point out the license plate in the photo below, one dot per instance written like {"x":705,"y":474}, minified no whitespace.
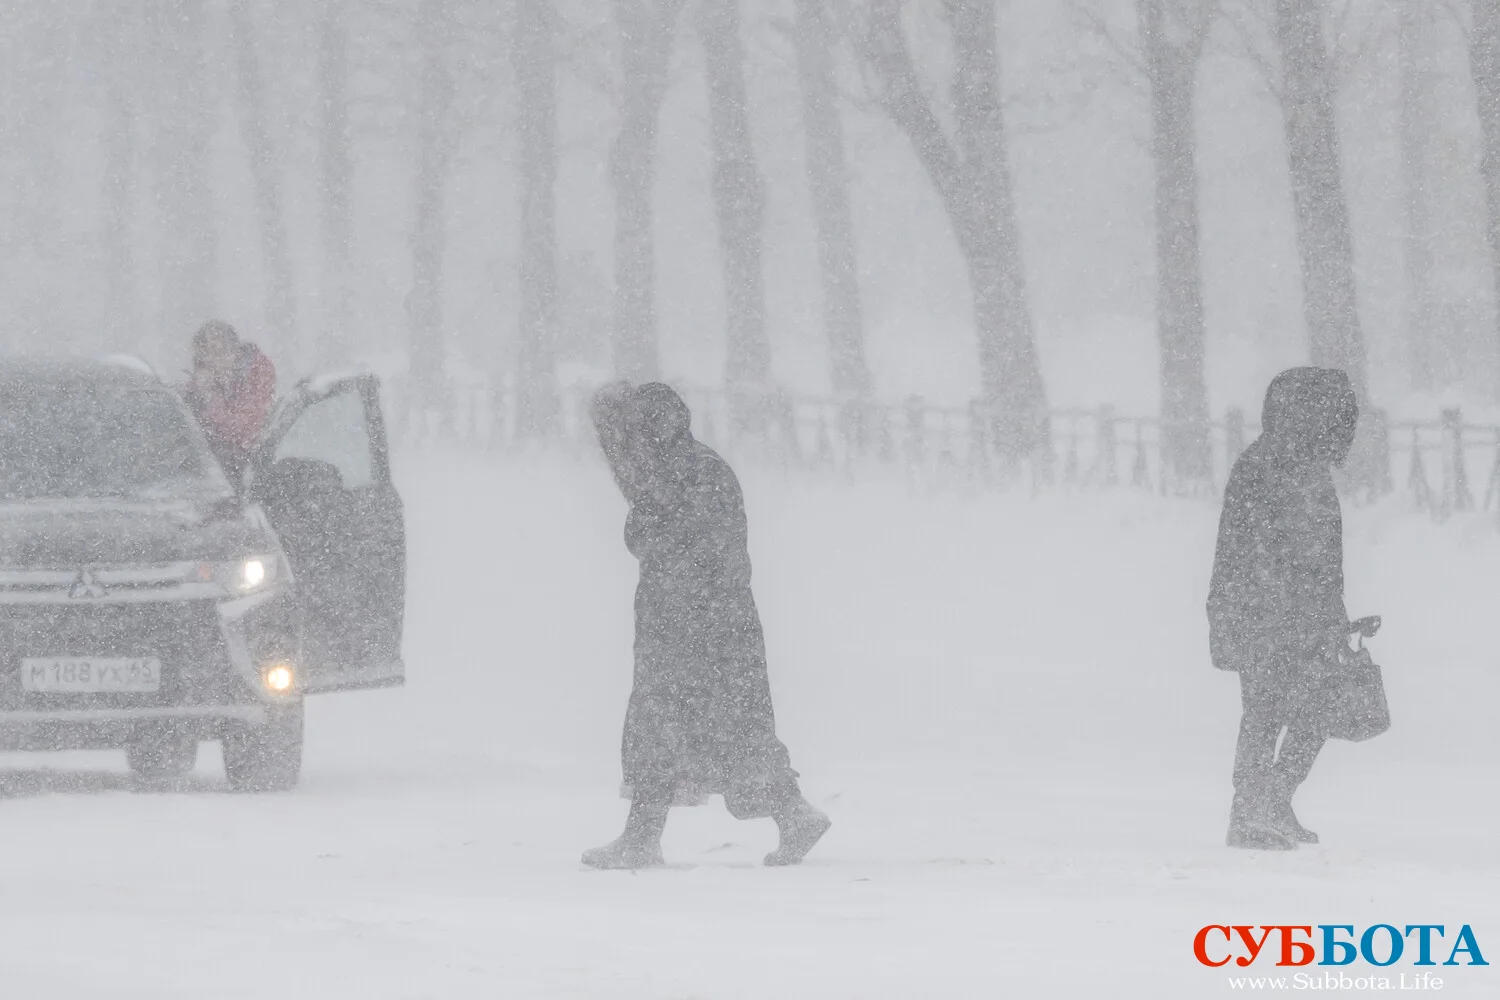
{"x":90,"y":674}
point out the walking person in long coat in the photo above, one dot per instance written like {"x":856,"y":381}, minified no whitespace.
{"x":700,"y":719}
{"x":1276,"y":603}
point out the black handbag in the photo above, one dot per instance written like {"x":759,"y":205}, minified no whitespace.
{"x":1341,"y":696}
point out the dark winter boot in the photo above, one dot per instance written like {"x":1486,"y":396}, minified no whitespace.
{"x":801,"y":826}
{"x":1285,"y":821}
{"x":1251,"y":826}
{"x":640,"y":845}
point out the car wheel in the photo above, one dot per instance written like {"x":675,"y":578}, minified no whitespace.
{"x":266,"y":757}
{"x":162,"y":754}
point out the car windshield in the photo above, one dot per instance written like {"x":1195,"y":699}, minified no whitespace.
{"x":92,"y":439}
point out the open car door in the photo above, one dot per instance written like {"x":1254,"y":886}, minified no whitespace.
{"x":323,"y":478}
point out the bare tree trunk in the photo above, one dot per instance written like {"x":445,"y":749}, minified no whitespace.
{"x":1484,"y":59}
{"x":428,"y":348}
{"x":1173,"y":76}
{"x":332,"y":343}
{"x":1007,"y":350}
{"x":185,"y":121}
{"x":739,"y":201}
{"x":122,"y":308}
{"x":1330,"y":297}
{"x":827,"y":172}
{"x":973,"y":180}
{"x":536,"y":73}
{"x":647,"y":29}
{"x":280,"y":293}
{"x":1323,"y":236}
{"x":1414,"y":129}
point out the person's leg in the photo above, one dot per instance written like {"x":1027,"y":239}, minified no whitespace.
{"x":762,"y":783}
{"x":800,"y":825}
{"x":1298,"y":752}
{"x":639,"y":846}
{"x":1254,"y":750}
{"x":1250,"y":818}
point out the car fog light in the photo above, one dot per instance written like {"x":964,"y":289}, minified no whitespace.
{"x":253,"y":573}
{"x":279,"y":678}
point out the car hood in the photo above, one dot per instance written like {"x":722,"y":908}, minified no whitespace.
{"x":63,"y":534}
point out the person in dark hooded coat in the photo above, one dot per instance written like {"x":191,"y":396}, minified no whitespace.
{"x":1276,"y":601}
{"x":700,"y":719}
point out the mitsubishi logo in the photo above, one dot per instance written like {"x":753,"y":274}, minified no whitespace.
{"x":87,"y":586}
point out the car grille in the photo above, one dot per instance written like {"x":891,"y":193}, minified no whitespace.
{"x":183,"y":635}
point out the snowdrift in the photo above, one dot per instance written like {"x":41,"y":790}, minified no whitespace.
{"x":1003,"y":701}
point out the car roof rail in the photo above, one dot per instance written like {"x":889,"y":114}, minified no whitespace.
{"x":132,"y":361}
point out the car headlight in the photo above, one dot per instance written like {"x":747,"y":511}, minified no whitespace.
{"x":279,"y":677}
{"x":250,"y":575}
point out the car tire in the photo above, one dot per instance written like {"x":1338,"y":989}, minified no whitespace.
{"x":266,"y":757}
{"x":160,"y":755}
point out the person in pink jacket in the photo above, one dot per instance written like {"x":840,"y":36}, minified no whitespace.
{"x":231,"y":390}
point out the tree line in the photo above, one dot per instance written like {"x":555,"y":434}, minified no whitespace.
{"x":167,"y":81}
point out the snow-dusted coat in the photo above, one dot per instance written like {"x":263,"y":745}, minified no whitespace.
{"x":1277,"y":593}
{"x":700,"y":718}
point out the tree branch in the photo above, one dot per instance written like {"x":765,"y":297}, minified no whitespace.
{"x":1200,"y":25}
{"x":1457,"y":14}
{"x":579,"y":54}
{"x":844,"y":26}
{"x":1064,"y":87}
{"x":1341,"y":21}
{"x":1249,"y":50}
{"x":882,"y":44}
{"x":1126,"y":56}
{"x":1349,"y":58}
{"x":779,"y":29}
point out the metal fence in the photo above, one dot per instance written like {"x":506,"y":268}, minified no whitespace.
{"x":1427,"y":462}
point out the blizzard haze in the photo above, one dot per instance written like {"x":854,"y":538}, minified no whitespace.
{"x":979,"y":298}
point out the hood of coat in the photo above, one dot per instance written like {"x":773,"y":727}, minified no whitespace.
{"x":665,"y":448}
{"x":665,"y":422}
{"x":646,"y":435}
{"x":1310,"y":415}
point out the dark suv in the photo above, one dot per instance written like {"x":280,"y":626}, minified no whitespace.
{"x":148,"y":603}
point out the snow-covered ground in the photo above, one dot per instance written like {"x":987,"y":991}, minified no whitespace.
{"x":1003,"y":702}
